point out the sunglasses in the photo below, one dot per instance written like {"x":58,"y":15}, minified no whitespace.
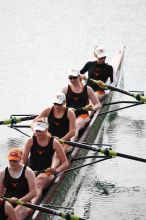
{"x":14,"y":161}
{"x":102,"y":58}
{"x":73,"y":77}
{"x":39,"y":131}
{"x":58,"y":104}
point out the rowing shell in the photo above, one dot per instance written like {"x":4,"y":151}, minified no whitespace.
{"x":63,"y":182}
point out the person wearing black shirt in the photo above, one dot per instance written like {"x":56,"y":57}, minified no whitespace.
{"x":98,"y":70}
{"x":38,"y":153}
{"x":18,"y":182}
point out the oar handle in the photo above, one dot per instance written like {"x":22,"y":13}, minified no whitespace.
{"x":99,"y":83}
{"x":85,"y":108}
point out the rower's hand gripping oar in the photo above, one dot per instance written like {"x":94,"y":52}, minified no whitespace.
{"x":107,"y":152}
{"x":85,"y":108}
{"x":64,"y":215}
{"x":138,"y":97}
{"x":16,"y":120}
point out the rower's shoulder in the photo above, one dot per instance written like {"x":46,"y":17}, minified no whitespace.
{"x":90,"y":63}
{"x":70,"y":113}
{"x":28,"y":171}
{"x":2,"y":173}
{"x":108,"y":65}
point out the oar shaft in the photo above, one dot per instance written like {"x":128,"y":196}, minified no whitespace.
{"x":28,"y":118}
{"x":84,"y":146}
{"x":42,"y":209}
{"x":131,"y":157}
{"x":6,"y":122}
{"x":53,"y":212}
{"x":17,"y":120}
{"x":46,"y":210}
{"x":138,"y":97}
{"x":107,"y":152}
{"x":112,"y":153}
{"x":120,"y":90}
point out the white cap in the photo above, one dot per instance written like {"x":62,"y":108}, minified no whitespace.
{"x":40,"y":126}
{"x":60,"y":98}
{"x":74,"y":72}
{"x":100,"y":52}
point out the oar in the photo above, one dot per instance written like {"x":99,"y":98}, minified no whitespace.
{"x":85,"y":108}
{"x":17,"y":120}
{"x":118,"y":109}
{"x":48,"y":172}
{"x":64,"y":215}
{"x":107,"y":152}
{"x":138,"y":96}
{"x":122,"y":102}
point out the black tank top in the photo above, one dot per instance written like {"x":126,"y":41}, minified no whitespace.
{"x":77,"y":100}
{"x":15,"y":187}
{"x":2,"y":211}
{"x":58,"y":127}
{"x":41,"y":157}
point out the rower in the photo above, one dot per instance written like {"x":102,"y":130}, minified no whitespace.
{"x":77,"y":97}
{"x":38,"y":153}
{"x":61,"y":119}
{"x":18,"y":182}
{"x":7,"y":211}
{"x":98,"y":70}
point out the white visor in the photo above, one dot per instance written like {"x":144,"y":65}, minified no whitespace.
{"x":100,"y":52}
{"x":40,"y":126}
{"x":60,"y":98}
{"x":74,"y":72}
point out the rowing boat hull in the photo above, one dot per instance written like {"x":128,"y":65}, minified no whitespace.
{"x":64,"y":181}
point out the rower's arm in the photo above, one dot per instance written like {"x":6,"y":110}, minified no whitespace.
{"x":61,"y":156}
{"x":64,"y":90}
{"x":72,"y":125}
{"x":31,"y":179}
{"x":26,"y":151}
{"x":95,"y":101}
{"x":43,"y":114}
{"x":2,"y":188}
{"x":114,"y":82}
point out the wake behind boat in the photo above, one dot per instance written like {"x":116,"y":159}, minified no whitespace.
{"x":62,"y":183}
